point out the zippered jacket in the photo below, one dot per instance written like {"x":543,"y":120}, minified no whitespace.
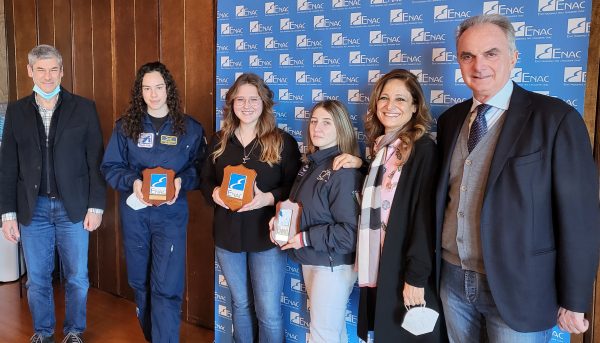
{"x":330,"y":210}
{"x":125,"y":159}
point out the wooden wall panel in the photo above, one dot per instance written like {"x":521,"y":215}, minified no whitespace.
{"x":199,"y":49}
{"x":592,"y":74}
{"x":103,"y":42}
{"x":62,"y":39}
{"x":83,"y":72}
{"x":199,"y":92}
{"x":82,"y":78}
{"x":105,"y":245}
{"x":123,"y":53}
{"x":172,"y":41}
{"x":592,"y":120}
{"x":45,"y":22}
{"x":3,"y":59}
{"x":10,"y":49}
{"x":147,"y":38}
{"x":124,"y":69}
{"x":25,"y":37}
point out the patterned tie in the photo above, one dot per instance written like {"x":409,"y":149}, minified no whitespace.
{"x":478,"y":127}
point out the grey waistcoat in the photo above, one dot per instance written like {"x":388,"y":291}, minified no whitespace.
{"x":461,"y":236}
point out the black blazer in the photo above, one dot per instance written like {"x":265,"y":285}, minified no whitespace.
{"x":78,"y":150}
{"x":540,"y":215}
{"x":407,"y":254}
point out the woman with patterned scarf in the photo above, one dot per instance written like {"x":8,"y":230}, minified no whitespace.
{"x":396,"y":229}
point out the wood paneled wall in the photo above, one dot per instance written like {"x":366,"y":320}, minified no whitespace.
{"x":103,"y":42}
{"x":591,"y":107}
{"x":3,"y":64}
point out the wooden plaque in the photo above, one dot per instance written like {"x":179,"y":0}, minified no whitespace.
{"x":237,"y":188}
{"x":287,"y":221}
{"x":158,"y":185}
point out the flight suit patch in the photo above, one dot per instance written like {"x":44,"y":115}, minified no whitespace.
{"x":168,"y":140}
{"x":146,"y":140}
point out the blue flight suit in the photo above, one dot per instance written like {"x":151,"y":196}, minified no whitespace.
{"x":155,"y":237}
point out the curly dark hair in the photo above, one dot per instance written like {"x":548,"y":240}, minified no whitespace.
{"x":132,"y":118}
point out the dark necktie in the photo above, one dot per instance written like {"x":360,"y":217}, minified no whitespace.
{"x":478,"y":127}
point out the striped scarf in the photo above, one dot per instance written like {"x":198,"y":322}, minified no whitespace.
{"x":368,"y":248}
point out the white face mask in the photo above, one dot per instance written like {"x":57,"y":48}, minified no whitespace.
{"x":134,"y":202}
{"x":420,"y":320}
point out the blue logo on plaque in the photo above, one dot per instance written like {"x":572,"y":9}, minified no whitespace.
{"x":158,"y":184}
{"x":235,"y":188}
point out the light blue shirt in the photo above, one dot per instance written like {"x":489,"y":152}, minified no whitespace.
{"x":499,"y":103}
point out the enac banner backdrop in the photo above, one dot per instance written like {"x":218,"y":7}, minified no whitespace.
{"x":2,"y":113}
{"x":308,"y":51}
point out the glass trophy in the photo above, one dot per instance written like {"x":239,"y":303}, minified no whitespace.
{"x":287,"y":221}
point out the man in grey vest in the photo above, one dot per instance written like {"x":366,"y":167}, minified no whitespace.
{"x":52,"y":194}
{"x":517,"y":202}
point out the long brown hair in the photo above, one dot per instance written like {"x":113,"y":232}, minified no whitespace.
{"x":415,"y":128}
{"x":269,"y":137}
{"x":346,"y":137}
{"x":133,"y":116}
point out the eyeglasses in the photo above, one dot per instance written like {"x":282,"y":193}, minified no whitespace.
{"x":241,"y":102}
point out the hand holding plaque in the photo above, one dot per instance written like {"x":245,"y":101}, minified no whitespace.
{"x":158,"y":185}
{"x":237,"y":187}
{"x":287,"y":221}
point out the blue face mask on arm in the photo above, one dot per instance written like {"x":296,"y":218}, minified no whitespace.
{"x":45,"y":95}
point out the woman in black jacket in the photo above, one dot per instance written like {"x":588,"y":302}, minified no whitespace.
{"x":396,"y":229}
{"x":326,"y":244}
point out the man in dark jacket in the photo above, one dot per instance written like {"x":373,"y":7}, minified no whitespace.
{"x":517,"y":201}
{"x":50,"y":183}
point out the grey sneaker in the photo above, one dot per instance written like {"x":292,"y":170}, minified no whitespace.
{"x":73,"y":337}
{"x":38,"y":338}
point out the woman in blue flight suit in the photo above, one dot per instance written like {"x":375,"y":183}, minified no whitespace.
{"x":154,"y":132}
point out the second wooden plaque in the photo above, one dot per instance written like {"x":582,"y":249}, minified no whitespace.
{"x":237,"y":188}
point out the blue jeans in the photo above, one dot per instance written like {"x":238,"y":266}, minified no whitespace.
{"x":328,"y":292}
{"x":50,"y":228}
{"x":260,"y":274}
{"x":471,"y":313}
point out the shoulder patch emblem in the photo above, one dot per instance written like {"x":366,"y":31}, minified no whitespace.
{"x":324,"y":175}
{"x":146,"y":140}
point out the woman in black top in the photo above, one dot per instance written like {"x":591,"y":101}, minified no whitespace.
{"x":327,"y":241}
{"x":396,"y":227}
{"x":253,"y":266}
